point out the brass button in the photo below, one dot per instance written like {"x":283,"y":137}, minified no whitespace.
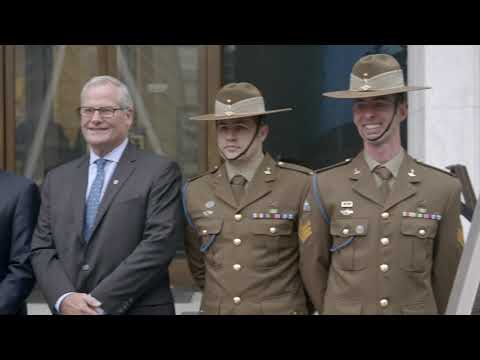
{"x":237,"y":267}
{"x":237,"y":241}
{"x":345,"y":231}
{"x":422,"y":232}
{"x":238,"y":217}
{"x":237,"y":300}
{"x":273,"y":230}
{"x":204,"y":232}
{"x":384,"y":303}
{"x":385,"y":241}
{"x":85,"y":267}
{"x":385,"y":215}
{"x":384,"y":268}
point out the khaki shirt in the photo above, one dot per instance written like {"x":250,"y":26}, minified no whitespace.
{"x":393,"y":165}
{"x":245,"y":257}
{"x":397,"y":257}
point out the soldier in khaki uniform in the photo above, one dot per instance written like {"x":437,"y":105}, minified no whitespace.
{"x":245,"y":253}
{"x":381,"y":233}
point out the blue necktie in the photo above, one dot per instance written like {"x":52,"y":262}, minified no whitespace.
{"x":93,"y":200}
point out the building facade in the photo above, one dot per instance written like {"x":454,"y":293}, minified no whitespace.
{"x":40,"y":87}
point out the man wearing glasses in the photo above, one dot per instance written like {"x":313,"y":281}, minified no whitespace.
{"x":109,"y":221}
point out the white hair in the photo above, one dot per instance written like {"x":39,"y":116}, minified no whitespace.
{"x":125,"y":100}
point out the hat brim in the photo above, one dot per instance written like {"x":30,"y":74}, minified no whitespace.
{"x":349,"y":94}
{"x":236,"y":116}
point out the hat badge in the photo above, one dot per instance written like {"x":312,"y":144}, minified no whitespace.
{"x":229,"y":112}
{"x":365,"y":87}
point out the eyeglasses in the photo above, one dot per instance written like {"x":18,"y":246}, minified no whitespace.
{"x":107,"y":112}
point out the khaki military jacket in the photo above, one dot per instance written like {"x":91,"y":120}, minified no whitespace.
{"x":397,"y":257}
{"x":245,"y":256}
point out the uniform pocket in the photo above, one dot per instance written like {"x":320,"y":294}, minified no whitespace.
{"x":343,"y":308}
{"x":416,"y":245}
{"x":271,"y":238}
{"x":284,"y":306}
{"x":209,"y":230}
{"x":418,"y":309}
{"x":349,"y":251}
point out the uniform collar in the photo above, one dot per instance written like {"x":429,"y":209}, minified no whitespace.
{"x":247,"y":171}
{"x":261,"y":183}
{"x":393,"y":164}
{"x":409,"y":174}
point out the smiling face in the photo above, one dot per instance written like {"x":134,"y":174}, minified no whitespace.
{"x":378,"y":120}
{"x":104,"y":134}
{"x":234,"y":136}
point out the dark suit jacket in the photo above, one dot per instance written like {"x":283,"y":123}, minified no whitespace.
{"x":125,"y":263}
{"x":19,"y":204}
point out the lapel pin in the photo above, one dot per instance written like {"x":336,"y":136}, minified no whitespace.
{"x":210,"y":204}
{"x":306,"y":206}
{"x":356,"y":171}
{"x":115,"y":182}
{"x":346,"y":212}
{"x":268,"y":171}
{"x":346,"y":204}
{"x":411,"y":173}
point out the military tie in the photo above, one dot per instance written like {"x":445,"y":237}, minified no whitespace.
{"x":93,"y":200}
{"x":238,"y":187}
{"x":385,"y":175}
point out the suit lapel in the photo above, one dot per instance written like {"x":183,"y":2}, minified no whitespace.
{"x":125,"y":168}
{"x":262,"y":182}
{"x":364,"y":183}
{"x":77,"y":197}
{"x":403,"y":188}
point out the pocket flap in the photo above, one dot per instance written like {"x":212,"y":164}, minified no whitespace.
{"x":342,"y":308}
{"x":349,"y":227}
{"x":272,"y":228}
{"x":209,"y":226}
{"x":422,"y":228}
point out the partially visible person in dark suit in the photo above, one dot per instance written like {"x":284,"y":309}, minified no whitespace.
{"x":109,"y":221}
{"x":19,"y":204}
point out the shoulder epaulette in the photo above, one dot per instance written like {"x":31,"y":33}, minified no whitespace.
{"x":435,"y":168}
{"x":344,"y":162}
{"x":299,"y":168}
{"x":211,"y":171}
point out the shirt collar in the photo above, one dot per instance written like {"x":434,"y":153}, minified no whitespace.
{"x":113,"y":156}
{"x":393,"y":164}
{"x":246,"y":171}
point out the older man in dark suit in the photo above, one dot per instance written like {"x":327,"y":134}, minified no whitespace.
{"x":109,"y":221}
{"x":19,"y":204}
